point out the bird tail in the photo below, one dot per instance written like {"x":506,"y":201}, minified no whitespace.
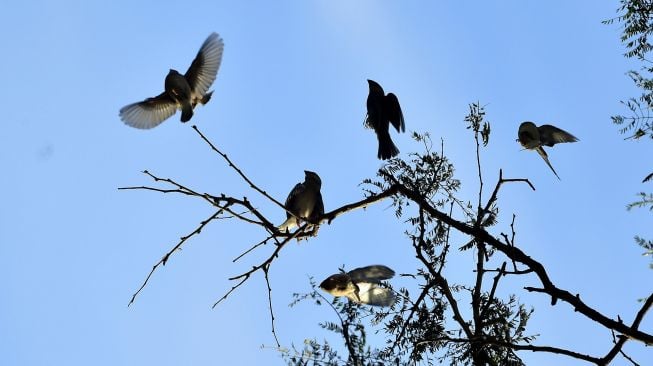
{"x":544,"y":156}
{"x":186,"y":111}
{"x":387,"y":148}
{"x":288,"y":225}
{"x":205,"y":99}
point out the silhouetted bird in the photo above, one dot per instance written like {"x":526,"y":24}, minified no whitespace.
{"x":533,"y":138}
{"x":304,"y":201}
{"x":181,"y":91}
{"x":381,"y":111}
{"x":361,"y":285}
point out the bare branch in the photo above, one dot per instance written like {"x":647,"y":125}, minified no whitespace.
{"x":240,"y":172}
{"x":165,"y":258}
{"x":516,"y":254}
{"x":622,"y":339}
{"x":502,"y":272}
{"x":267,"y":282}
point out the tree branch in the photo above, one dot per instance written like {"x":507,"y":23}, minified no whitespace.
{"x":165,"y":258}
{"x":519,"y":256}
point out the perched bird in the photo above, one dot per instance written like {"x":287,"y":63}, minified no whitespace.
{"x":362,"y":285}
{"x":533,"y":138}
{"x":181,"y":91}
{"x":381,"y":111}
{"x":304,"y":201}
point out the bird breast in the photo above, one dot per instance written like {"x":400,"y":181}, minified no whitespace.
{"x":177,"y":86}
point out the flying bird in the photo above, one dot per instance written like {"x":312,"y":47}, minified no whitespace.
{"x":182,"y":92}
{"x":362,"y":285}
{"x":304,"y":201}
{"x":533,"y":137}
{"x":382,"y":110}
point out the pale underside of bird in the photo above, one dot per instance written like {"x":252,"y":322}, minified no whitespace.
{"x":362,"y":285}
{"x":304,"y":202}
{"x":181,"y":92}
{"x":533,"y":137}
{"x":382,"y":110}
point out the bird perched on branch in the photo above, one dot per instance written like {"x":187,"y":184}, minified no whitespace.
{"x":381,"y":111}
{"x":182,"y":92}
{"x":362,"y":285}
{"x":304,"y":202}
{"x":533,"y":137}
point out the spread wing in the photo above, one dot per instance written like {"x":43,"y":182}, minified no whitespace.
{"x":394,"y":113}
{"x":202,"y":72}
{"x":148,"y":113}
{"x":551,"y":135}
{"x":374,"y":273}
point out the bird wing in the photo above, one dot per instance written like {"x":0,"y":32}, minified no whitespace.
{"x":148,"y":113}
{"x":318,"y":210}
{"x":648,"y":177}
{"x":544,"y":156}
{"x":372,"y":294}
{"x":394,"y":113}
{"x":551,"y":135}
{"x":202,"y":72}
{"x":374,"y":273}
{"x":291,"y":200}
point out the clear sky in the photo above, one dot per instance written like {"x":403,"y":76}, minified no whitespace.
{"x":290,"y":95}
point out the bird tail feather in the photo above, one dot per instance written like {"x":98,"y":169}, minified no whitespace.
{"x":288,"y":225}
{"x":544,"y":156}
{"x":387,"y":148}
{"x":186,"y":112}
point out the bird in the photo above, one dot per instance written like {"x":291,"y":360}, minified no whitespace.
{"x":304,"y":202}
{"x":533,"y":137}
{"x":181,"y":91}
{"x":362,"y":285}
{"x":382,"y":110}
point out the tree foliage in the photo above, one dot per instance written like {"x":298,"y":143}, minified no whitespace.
{"x":636,"y":18}
{"x":464,"y":323}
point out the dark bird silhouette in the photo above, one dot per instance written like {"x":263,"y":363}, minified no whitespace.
{"x":533,"y":137}
{"x":381,"y":111}
{"x":648,"y":177}
{"x":362,"y":285}
{"x":304,"y":201}
{"x":181,"y":91}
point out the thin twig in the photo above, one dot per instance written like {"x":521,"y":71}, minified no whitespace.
{"x":240,"y":172}
{"x":495,"y":283}
{"x":267,"y":282}
{"x":165,"y":258}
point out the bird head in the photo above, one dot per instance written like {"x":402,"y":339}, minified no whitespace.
{"x":338,"y":285}
{"x":528,"y":135}
{"x":312,"y":177}
{"x":375,"y":87}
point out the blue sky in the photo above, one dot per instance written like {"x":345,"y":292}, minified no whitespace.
{"x":290,"y":95}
